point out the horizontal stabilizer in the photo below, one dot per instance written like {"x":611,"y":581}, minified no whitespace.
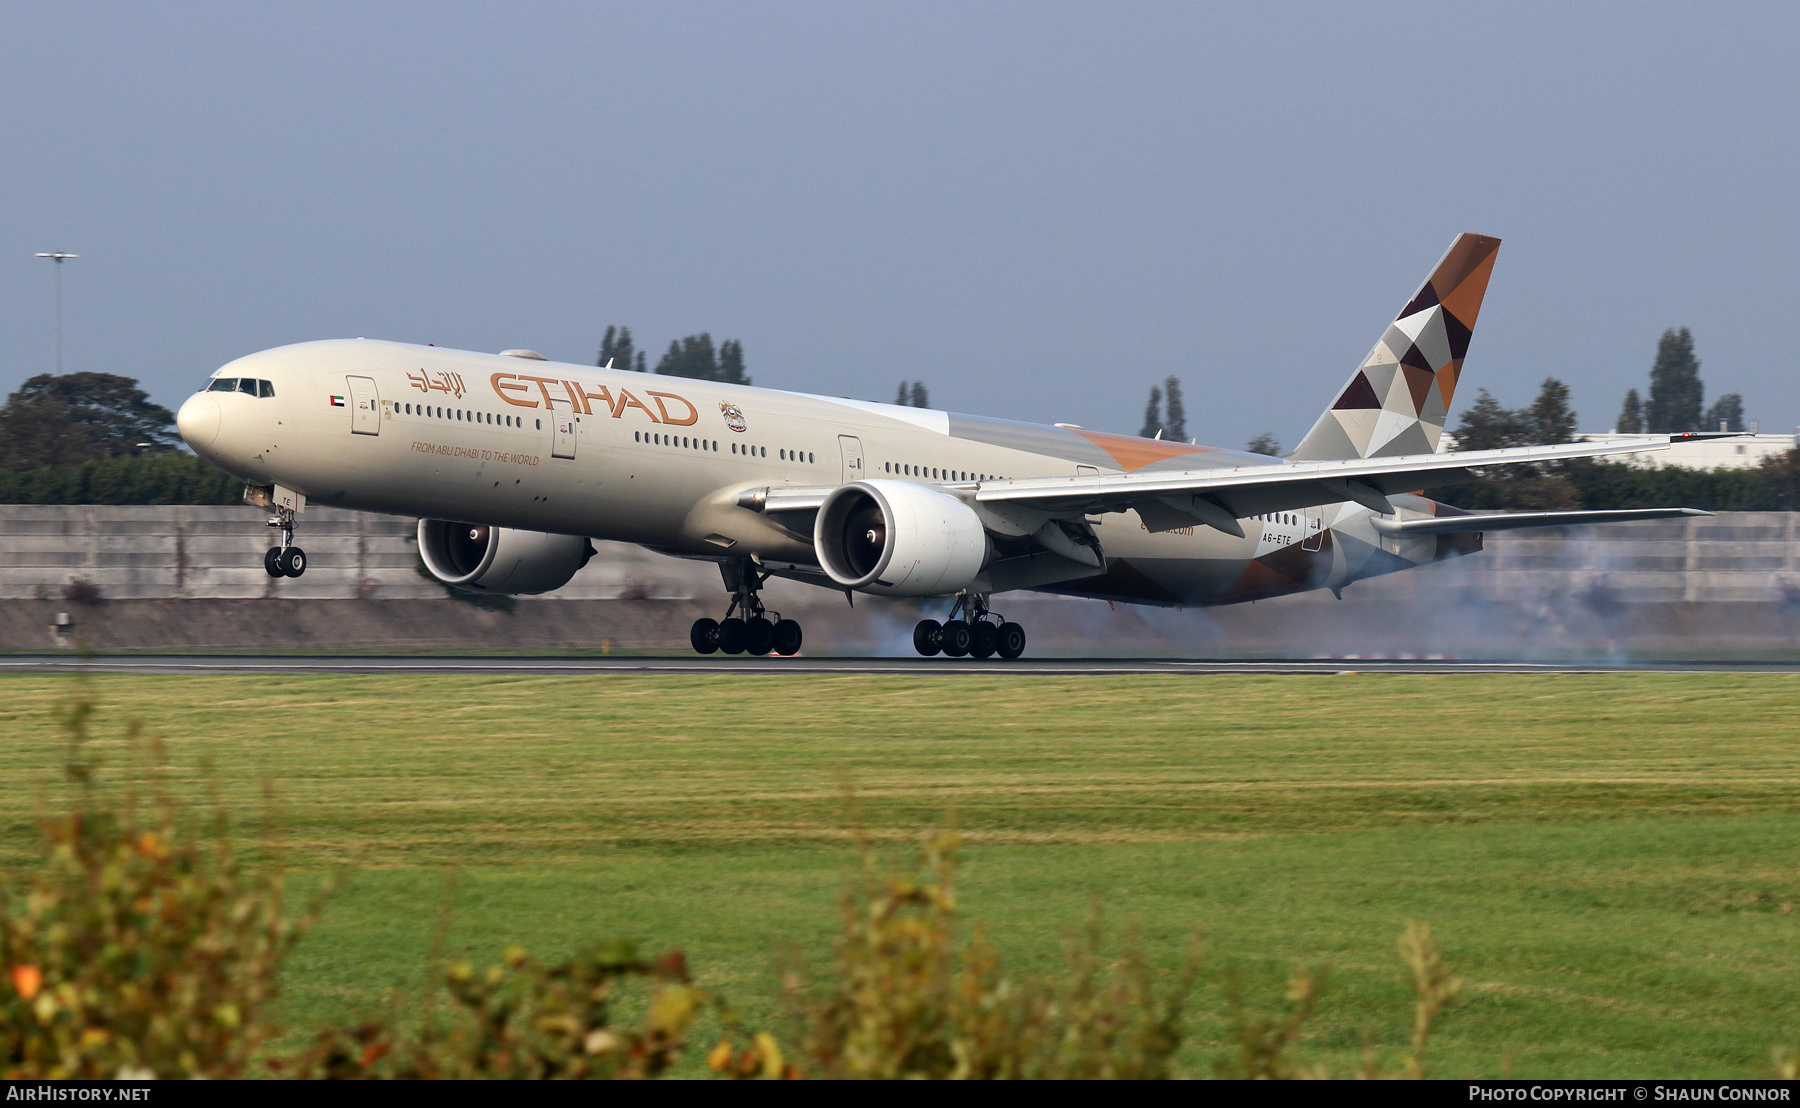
{"x":1512,"y":521}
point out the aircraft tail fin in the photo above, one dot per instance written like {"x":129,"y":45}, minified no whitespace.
{"x":1398,"y":401}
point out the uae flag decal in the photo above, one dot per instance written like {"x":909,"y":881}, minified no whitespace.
{"x":337,"y":401}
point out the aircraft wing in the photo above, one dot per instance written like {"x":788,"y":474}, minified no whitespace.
{"x":1220,"y":497}
{"x":1512,"y":521}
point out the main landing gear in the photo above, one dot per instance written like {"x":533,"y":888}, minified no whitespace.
{"x":751,"y":631}
{"x":980,"y":635}
{"x":286,"y":560}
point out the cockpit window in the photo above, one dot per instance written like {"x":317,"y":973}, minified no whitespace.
{"x":223,"y":384}
{"x":247,"y":384}
{"x":268,"y":388}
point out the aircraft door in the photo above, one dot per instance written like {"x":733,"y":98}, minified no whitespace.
{"x":851,"y":447}
{"x":365,"y":406}
{"x":562,"y":444}
{"x":1312,"y":528}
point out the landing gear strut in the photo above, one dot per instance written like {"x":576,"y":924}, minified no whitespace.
{"x":286,"y":560}
{"x":750,"y":631}
{"x":980,"y":634}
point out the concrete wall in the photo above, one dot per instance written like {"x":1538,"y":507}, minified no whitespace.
{"x":216,"y":553}
{"x":1731,"y":557}
{"x":192,"y":577}
{"x":210,"y":552}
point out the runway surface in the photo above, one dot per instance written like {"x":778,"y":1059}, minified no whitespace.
{"x":599,"y":665}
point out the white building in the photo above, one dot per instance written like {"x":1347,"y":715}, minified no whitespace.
{"x":1745,"y":451}
{"x":1738,"y":452}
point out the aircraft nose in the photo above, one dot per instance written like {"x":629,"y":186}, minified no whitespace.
{"x":198,"y":421}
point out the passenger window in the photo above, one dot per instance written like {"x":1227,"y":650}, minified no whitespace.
{"x":223,"y":384}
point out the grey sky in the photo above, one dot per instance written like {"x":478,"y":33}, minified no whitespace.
{"x":1040,"y":209}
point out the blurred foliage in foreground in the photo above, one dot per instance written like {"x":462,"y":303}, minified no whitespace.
{"x":142,"y":945}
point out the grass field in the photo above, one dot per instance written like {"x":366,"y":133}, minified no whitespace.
{"x":1612,"y":862}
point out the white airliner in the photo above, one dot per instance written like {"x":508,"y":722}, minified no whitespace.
{"x":513,"y":463}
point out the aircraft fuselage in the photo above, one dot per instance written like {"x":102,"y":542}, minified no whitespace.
{"x":663,"y":461}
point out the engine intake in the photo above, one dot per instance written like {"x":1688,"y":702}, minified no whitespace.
{"x":499,"y":559}
{"x":895,"y":538}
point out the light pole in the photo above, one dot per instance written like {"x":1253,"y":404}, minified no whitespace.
{"x":59,"y":259}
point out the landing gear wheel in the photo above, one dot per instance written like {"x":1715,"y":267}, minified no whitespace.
{"x":956,"y":639}
{"x":272,"y":562}
{"x":1012,"y":641}
{"x":731,"y":636}
{"x":787,"y":638}
{"x":291,"y":562}
{"x":928,"y":637}
{"x":705,"y":636}
{"x":759,"y":636}
{"x":983,"y":639}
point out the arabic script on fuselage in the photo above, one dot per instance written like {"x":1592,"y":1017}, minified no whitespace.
{"x":444,"y":381}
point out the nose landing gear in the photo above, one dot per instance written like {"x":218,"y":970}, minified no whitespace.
{"x":751,"y":632}
{"x":286,"y":560}
{"x":981,"y":635}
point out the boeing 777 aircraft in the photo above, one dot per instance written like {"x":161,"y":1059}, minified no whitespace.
{"x":513,"y":463}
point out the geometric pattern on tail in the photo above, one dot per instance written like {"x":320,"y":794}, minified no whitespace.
{"x":1398,"y":400}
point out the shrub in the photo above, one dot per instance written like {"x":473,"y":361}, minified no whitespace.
{"x":903,"y":1001}
{"x":80,"y":590}
{"x":143,"y":946}
{"x":523,"y":1019}
{"x":160,"y":477}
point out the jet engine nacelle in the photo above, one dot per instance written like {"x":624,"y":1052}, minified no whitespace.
{"x":895,"y":538}
{"x":499,"y":559}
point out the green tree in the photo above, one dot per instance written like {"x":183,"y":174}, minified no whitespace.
{"x":695,"y":357}
{"x":1631,"y":416}
{"x":1782,"y":474}
{"x":900,"y":393}
{"x":918,"y":397}
{"x":731,"y":363}
{"x":1676,"y":391}
{"x":1550,"y":419}
{"x":1727,"y":410}
{"x":1175,"y":416}
{"x":164,"y":477}
{"x":1487,"y":426}
{"x":618,"y":351}
{"x":1265,"y":443}
{"x":80,"y":417}
{"x":1153,"y":420}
